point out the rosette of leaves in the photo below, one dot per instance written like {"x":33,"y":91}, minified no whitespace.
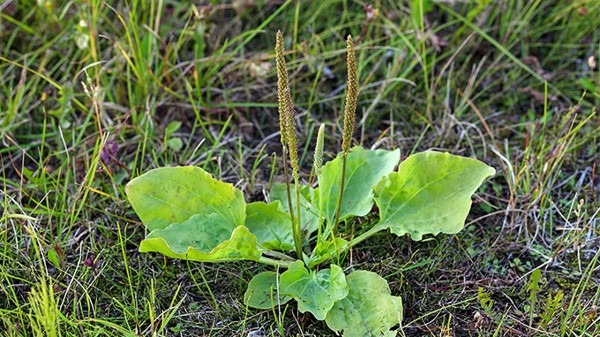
{"x":191,"y":215}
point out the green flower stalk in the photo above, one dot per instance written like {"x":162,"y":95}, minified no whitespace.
{"x":287,"y":115}
{"x":289,"y":141}
{"x":318,"y":165}
{"x":351,"y":98}
{"x":282,"y":83}
{"x":292,"y":140}
{"x":318,"y":161}
{"x":349,"y":120}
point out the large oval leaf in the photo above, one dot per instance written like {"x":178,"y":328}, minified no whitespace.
{"x":271,"y":226}
{"x":168,"y":195}
{"x":430,"y":193}
{"x":368,"y":310}
{"x":315,"y":292}
{"x":203,"y":238}
{"x":191,"y":215}
{"x":263,"y":292}
{"x":364,"y":168}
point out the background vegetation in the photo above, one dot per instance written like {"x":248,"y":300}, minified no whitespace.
{"x":94,"y":93}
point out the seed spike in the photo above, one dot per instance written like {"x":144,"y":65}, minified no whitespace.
{"x":349,"y":120}
{"x":289,"y":142}
{"x":287,"y":115}
{"x":318,"y":161}
{"x":351,"y":97}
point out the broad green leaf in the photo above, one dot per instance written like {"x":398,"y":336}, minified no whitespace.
{"x":368,"y":310}
{"x":309,"y":218}
{"x":430,"y":193}
{"x":203,"y":238}
{"x":263,"y":292}
{"x":271,"y":226}
{"x":170,"y":195}
{"x":364,"y":168}
{"x":192,"y":216}
{"x":325,"y":250}
{"x":315,"y":292}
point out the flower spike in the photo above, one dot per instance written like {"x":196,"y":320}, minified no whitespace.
{"x":351,"y":97}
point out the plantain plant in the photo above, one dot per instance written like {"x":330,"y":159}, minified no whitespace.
{"x":191,"y":215}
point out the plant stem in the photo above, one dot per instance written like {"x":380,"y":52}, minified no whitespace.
{"x":295,"y":226}
{"x":273,"y":262}
{"x":278,"y":255}
{"x":341,"y":196}
{"x":349,"y":120}
{"x":289,"y":142}
{"x":298,"y":228}
{"x":363,"y":237}
{"x":352,"y":243}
